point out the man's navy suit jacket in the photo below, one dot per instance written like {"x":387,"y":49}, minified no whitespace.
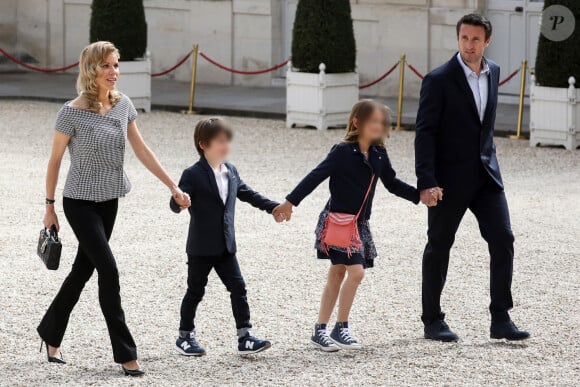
{"x":453,"y":147}
{"x":211,"y":228}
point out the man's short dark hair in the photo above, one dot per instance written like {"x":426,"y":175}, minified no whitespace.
{"x":475,"y":19}
{"x":208,"y":129}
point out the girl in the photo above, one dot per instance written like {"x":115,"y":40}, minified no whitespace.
{"x":353,"y":166}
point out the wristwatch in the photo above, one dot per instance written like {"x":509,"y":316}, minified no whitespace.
{"x":49,"y":201}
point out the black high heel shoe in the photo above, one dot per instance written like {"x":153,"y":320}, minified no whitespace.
{"x":52,"y":359}
{"x":137,"y":372}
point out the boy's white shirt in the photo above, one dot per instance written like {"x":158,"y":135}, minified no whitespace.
{"x":222,"y":181}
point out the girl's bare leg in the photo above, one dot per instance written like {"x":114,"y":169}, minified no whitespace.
{"x":348,"y":291}
{"x":330,"y":294}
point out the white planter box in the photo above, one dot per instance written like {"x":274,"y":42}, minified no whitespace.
{"x":555,"y":115}
{"x":135,"y":82}
{"x":320,"y":100}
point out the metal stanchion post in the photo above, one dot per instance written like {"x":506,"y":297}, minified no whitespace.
{"x":194,"y":53}
{"x":402,"y":63}
{"x":524,"y":72}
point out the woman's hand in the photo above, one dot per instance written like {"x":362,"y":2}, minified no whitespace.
{"x":181,"y":198}
{"x":50,"y":218}
{"x":59,"y":145}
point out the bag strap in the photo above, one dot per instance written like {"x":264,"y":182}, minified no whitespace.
{"x":366,"y":196}
{"x":53,"y":232}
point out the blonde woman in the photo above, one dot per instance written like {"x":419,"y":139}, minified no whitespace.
{"x":95,"y":128}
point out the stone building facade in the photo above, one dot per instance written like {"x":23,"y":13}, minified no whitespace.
{"x":254,"y":34}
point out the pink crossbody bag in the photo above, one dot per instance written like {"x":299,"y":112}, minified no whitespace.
{"x":341,"y":230}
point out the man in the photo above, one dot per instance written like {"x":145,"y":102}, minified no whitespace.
{"x":455,"y":158}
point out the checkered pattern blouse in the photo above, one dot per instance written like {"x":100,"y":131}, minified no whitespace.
{"x":97,"y":151}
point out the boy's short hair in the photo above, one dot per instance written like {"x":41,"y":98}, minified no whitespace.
{"x":208,"y":129}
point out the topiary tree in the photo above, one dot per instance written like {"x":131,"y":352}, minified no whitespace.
{"x":557,"y":61}
{"x":323,"y":33}
{"x":121,"y":22}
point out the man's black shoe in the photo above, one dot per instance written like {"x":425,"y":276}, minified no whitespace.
{"x":507,"y":330}
{"x":439,"y":330}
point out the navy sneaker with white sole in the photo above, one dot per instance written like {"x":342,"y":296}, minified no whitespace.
{"x":321,"y":340}
{"x":249,"y":344}
{"x":342,"y":337}
{"x":188,"y":346}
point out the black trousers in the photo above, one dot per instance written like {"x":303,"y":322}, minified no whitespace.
{"x":92,"y":224}
{"x":488,"y":203}
{"x":228,"y":269}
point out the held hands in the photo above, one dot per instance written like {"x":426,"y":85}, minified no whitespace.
{"x":431,"y":196}
{"x":181,"y":198}
{"x":283,"y":212}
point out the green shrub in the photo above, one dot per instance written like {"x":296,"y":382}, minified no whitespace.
{"x":557,"y":61}
{"x":121,"y":22}
{"x":323,"y":33}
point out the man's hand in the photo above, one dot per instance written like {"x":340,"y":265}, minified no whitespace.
{"x":283,"y":212}
{"x":181,"y":198}
{"x":278,"y":217}
{"x":431,"y":196}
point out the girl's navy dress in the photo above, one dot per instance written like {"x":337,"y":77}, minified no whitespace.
{"x":350,"y":175}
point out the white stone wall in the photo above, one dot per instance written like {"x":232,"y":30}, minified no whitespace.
{"x":28,"y":22}
{"x":173,"y":27}
{"x":244,"y":34}
{"x":443,"y":17}
{"x":383,"y":33}
{"x":256,"y":26}
{"x":8,"y":26}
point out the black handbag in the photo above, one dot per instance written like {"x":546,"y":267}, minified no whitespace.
{"x":49,"y":248}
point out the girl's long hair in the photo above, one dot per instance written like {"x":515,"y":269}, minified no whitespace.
{"x":92,"y":56}
{"x":360,"y":114}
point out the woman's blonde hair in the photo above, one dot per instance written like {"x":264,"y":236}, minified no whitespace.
{"x":360,"y":114}
{"x":92,"y":56}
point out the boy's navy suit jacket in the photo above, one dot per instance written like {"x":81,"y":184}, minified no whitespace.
{"x":211,"y":228}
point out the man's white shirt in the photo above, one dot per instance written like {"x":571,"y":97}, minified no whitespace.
{"x":478,"y":84}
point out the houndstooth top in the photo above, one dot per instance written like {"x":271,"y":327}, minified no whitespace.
{"x":97,"y":150}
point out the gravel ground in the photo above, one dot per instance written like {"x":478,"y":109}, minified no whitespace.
{"x":284,"y":279}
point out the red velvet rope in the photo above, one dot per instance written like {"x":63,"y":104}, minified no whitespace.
{"x":501,"y":83}
{"x":413,"y":69}
{"x":389,"y":71}
{"x":509,"y":77}
{"x":182,"y":61}
{"x":64,"y":68}
{"x":34,"y":68}
{"x":255,"y":72}
{"x":231,"y":70}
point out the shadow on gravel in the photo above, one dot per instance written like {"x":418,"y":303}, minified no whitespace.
{"x":500,"y":344}
{"x":401,"y":345}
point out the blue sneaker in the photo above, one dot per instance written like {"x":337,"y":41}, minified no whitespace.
{"x":321,"y":340}
{"x":342,"y":337}
{"x":249,"y":344}
{"x":188,"y":346}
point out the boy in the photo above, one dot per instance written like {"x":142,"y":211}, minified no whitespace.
{"x":213,"y":185}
